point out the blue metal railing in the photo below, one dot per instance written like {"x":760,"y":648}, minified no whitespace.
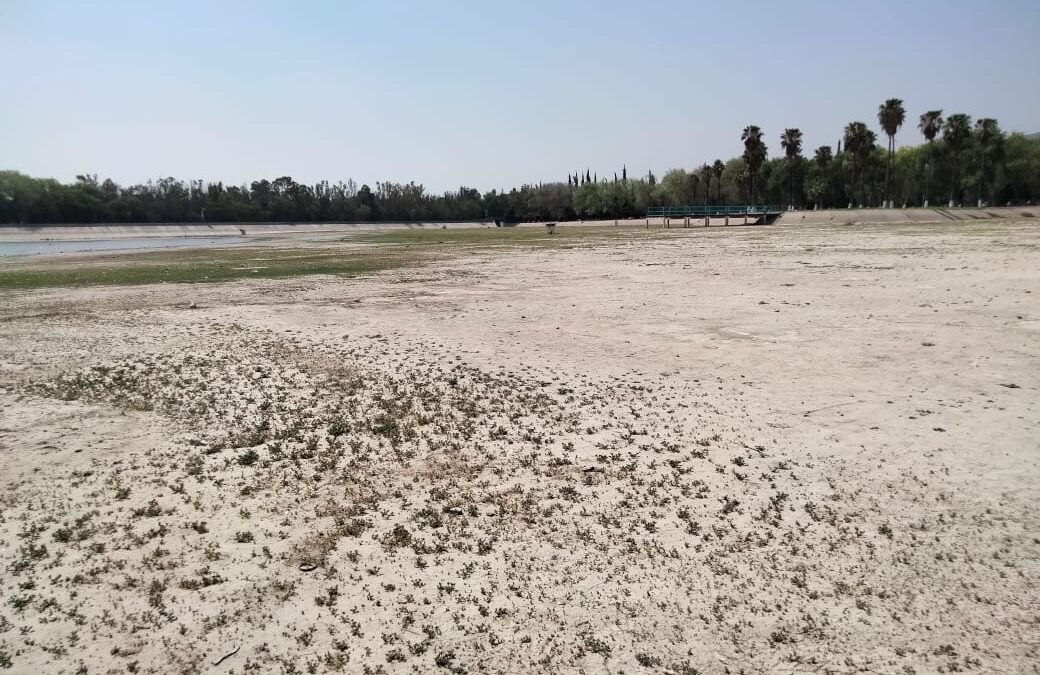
{"x":701,"y":211}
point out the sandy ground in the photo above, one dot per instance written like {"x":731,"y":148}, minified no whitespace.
{"x":790,"y":449}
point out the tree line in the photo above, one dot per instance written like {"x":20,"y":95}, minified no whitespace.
{"x":960,"y":162}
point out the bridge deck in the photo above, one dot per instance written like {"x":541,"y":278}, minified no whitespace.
{"x":712,"y":211}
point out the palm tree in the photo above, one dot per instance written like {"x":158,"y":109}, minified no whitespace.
{"x":891,"y":116}
{"x":956,"y":133}
{"x":859,"y":142}
{"x":718,"y":168}
{"x":791,"y":142}
{"x":754,"y":155}
{"x":930,"y":124}
{"x":987,"y":132}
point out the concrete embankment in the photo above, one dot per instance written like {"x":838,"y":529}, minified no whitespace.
{"x":916,"y":215}
{"x":836,"y":217}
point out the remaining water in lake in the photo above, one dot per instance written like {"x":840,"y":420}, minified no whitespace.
{"x":85,"y":245}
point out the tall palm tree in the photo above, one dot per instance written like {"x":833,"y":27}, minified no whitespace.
{"x":754,"y":155}
{"x":987,"y":133}
{"x":956,"y":133}
{"x":859,"y":142}
{"x":791,"y":142}
{"x":930,"y":125}
{"x":718,"y":168}
{"x":706,"y":177}
{"x":891,"y":116}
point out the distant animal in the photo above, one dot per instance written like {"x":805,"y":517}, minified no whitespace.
{"x":551,"y":227}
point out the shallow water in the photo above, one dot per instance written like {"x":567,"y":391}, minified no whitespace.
{"x":86,"y":245}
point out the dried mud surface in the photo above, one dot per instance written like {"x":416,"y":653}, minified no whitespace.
{"x":798,"y":450}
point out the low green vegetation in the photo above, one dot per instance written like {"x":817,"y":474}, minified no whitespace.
{"x":530,"y":237}
{"x":202,"y":265}
{"x":378,"y":251}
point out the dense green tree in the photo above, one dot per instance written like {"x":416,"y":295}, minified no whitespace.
{"x":859,"y":144}
{"x":706,"y":175}
{"x":818,"y":180}
{"x":979,"y":162}
{"x":677,"y":188}
{"x":735,"y":182}
{"x":1022,"y":169}
{"x":907,"y":177}
{"x":989,"y":141}
{"x":717,"y":169}
{"x":773,"y":181}
{"x":956,"y":135}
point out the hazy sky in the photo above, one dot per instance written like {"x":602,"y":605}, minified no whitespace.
{"x":483,"y":94}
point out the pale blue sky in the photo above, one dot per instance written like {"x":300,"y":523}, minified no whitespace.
{"x":483,"y":94}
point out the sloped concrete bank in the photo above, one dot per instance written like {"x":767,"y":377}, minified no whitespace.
{"x":866,"y":216}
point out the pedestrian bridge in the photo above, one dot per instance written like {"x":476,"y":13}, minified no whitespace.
{"x":712,"y":211}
